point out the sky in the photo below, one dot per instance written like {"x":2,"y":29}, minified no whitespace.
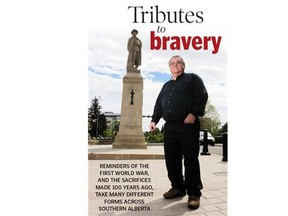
{"x":107,"y":54}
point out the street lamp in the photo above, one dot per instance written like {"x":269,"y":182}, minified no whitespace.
{"x":97,"y":125}
{"x":95,"y":120}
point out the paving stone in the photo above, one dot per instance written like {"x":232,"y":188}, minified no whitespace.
{"x":213,"y":202}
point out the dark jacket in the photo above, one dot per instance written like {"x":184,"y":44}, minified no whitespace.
{"x":187,"y":94}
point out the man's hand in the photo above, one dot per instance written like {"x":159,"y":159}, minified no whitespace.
{"x":190,"y":119}
{"x":152,"y":126}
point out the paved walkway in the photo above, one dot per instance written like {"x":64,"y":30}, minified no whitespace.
{"x":106,"y":152}
{"x":132,"y":187}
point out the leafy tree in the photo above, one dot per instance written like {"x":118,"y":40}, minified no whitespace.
{"x":112,"y":129}
{"x":212,"y":123}
{"x":96,"y":120}
{"x":154,"y":137}
{"x":224,"y":128}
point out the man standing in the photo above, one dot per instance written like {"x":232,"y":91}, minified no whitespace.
{"x":181,"y":101}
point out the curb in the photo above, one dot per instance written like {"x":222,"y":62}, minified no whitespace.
{"x":93,"y":156}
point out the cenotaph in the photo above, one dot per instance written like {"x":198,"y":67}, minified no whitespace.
{"x":130,"y":135}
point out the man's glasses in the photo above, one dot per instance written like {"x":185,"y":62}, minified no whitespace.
{"x":175,"y":63}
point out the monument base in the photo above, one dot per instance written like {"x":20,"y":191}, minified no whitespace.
{"x":130,"y":135}
{"x":129,"y":142}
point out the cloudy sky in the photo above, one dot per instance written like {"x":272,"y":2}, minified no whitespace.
{"x":107,"y":50}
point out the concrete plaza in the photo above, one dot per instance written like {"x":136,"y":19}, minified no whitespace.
{"x":153,"y":171}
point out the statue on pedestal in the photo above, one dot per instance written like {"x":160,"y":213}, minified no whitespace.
{"x":130,"y":135}
{"x":134,"y":47}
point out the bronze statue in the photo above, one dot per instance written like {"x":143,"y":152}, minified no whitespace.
{"x":134,"y":48}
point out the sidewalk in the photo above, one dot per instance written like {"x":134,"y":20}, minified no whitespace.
{"x":106,"y":152}
{"x":110,"y":197}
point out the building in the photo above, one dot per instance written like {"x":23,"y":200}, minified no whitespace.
{"x":110,"y":117}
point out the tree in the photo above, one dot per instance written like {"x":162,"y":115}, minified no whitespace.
{"x":96,"y":120}
{"x":156,"y":136}
{"x":112,"y":129}
{"x":214,"y":119}
{"x":224,"y":128}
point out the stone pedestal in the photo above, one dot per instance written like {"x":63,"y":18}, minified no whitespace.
{"x":130,"y":135}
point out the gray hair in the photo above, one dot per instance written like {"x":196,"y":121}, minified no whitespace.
{"x":178,"y":56}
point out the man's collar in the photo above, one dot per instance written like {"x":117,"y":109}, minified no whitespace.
{"x":181,"y":75}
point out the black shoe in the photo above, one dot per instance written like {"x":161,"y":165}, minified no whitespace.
{"x":193,"y":202}
{"x":174,"y":193}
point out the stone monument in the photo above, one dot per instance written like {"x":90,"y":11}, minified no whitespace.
{"x":130,"y":135}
